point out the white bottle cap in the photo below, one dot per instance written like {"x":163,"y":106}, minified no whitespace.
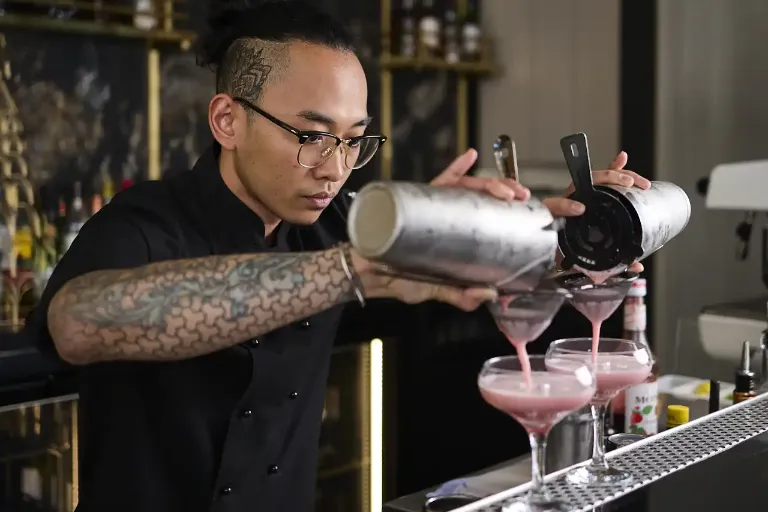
{"x":638,"y":288}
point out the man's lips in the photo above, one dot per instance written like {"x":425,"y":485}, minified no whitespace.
{"x":321,"y":200}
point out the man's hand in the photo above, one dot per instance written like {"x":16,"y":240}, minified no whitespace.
{"x":615,"y":175}
{"x":455,"y":175}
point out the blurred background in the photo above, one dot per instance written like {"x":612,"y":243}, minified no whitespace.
{"x":99,"y":94}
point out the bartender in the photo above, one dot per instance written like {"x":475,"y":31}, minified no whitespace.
{"x":203,"y":308}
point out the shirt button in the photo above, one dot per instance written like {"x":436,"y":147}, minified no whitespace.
{"x":294,"y":395}
{"x":273,"y":470}
{"x":305,"y":324}
{"x":254,"y":343}
{"x":225,"y":491}
{"x":246,"y":413}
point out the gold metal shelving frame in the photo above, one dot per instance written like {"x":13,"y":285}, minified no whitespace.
{"x":390,"y":63}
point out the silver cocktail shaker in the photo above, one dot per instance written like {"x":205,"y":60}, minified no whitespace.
{"x":621,"y":225}
{"x":458,"y":236}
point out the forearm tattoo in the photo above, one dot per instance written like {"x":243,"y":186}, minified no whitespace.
{"x":184,"y":308}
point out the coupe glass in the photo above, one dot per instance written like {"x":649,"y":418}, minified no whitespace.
{"x":538,"y":400}
{"x":523,"y":317}
{"x":618,"y":364}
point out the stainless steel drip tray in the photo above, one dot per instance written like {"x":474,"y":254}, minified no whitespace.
{"x":651,"y":459}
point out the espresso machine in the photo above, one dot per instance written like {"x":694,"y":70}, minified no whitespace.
{"x":741,"y":186}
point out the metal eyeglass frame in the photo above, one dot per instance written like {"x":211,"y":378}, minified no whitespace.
{"x":304,"y":135}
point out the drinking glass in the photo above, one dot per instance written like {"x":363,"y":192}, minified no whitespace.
{"x":618,"y":364}
{"x":538,"y":399}
{"x":525,"y":316}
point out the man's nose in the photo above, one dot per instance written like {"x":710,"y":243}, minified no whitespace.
{"x":334,"y":167}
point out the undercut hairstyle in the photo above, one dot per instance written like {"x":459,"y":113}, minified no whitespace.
{"x":248,"y":41}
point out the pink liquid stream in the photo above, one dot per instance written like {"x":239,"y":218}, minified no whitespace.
{"x":595,"y":315}
{"x":520,"y":345}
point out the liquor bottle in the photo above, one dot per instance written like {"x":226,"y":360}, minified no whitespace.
{"x":61,"y":225}
{"x":471,"y":35}
{"x":76,"y":220}
{"x":145,"y":16}
{"x":641,"y":415}
{"x":451,"y":41}
{"x":429,"y":30}
{"x":407,"y":37}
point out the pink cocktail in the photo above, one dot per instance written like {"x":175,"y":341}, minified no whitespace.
{"x":538,"y":402}
{"x":617,"y":365}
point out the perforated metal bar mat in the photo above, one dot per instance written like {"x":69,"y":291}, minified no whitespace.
{"x":651,"y":459}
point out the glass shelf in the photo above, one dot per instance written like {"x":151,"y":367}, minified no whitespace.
{"x":92,"y":28}
{"x":389,"y":61}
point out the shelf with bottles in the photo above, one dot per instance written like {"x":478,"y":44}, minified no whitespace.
{"x":156,"y":21}
{"x":424,"y":34}
{"x":38,"y":456}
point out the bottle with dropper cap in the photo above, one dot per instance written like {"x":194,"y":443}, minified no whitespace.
{"x":744,"y":378}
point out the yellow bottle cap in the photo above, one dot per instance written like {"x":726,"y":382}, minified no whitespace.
{"x":677,"y":415}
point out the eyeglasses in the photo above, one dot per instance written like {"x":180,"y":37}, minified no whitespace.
{"x":317,"y":147}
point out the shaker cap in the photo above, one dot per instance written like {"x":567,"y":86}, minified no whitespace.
{"x":603,"y":238}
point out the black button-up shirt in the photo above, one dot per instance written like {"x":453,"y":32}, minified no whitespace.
{"x":233,"y":431}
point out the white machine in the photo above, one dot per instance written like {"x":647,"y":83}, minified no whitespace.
{"x":724,"y":327}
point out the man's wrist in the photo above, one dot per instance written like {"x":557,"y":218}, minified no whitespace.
{"x":373,"y":284}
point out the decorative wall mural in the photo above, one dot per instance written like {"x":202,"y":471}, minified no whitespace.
{"x":83,"y":114}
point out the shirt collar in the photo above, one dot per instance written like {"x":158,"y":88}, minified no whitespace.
{"x":227,"y":213}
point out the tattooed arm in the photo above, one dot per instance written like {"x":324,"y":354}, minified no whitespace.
{"x":185,"y":308}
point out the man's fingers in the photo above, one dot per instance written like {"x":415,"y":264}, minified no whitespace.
{"x":620,"y":161}
{"x":505,"y":189}
{"x":465,"y":299}
{"x":640,"y":182}
{"x":458,"y":169}
{"x":622,"y":178}
{"x":562,"y":207}
{"x":612,"y":177}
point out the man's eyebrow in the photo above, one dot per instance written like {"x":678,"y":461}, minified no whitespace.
{"x":317,"y":117}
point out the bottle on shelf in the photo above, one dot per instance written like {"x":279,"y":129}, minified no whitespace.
{"x":144,"y":16}
{"x":76,"y":219}
{"x":636,"y":409}
{"x":471,"y":35}
{"x":429,"y":30}
{"x":405,"y":31}
{"x":451,"y":42}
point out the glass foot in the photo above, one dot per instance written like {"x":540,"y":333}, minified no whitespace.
{"x":590,"y":475}
{"x":536,"y":505}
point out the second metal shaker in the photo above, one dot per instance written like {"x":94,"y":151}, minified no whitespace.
{"x":463,"y":236}
{"x":621,"y":225}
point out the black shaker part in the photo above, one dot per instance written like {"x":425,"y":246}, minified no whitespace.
{"x":609,"y":233}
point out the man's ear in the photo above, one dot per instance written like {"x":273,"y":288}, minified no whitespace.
{"x":223,"y":120}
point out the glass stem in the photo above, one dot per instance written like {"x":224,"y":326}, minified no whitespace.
{"x":598,"y":437}
{"x":538,"y":458}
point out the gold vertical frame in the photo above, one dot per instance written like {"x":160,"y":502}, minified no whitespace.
{"x":386,"y":91}
{"x":153,"y":114}
{"x":462,"y":96}
{"x":75,"y":454}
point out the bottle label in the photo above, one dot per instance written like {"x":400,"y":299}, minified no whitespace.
{"x":634,"y":317}
{"x":641,"y":409}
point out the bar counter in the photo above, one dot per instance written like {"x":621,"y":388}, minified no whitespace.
{"x":714,"y":463}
